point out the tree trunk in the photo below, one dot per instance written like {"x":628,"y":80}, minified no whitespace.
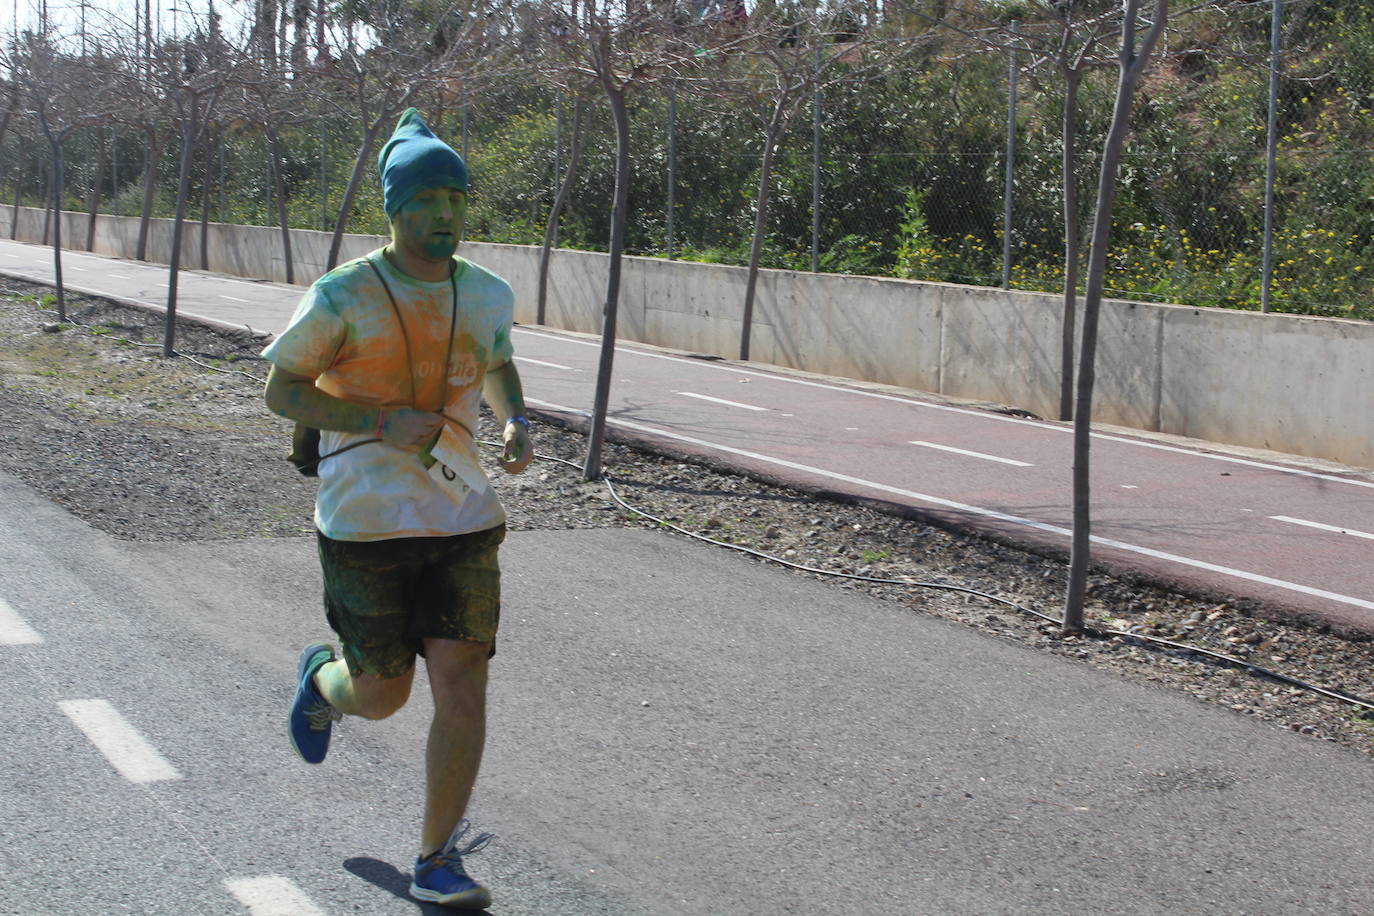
{"x":55,"y":142}
{"x":1071,"y":240}
{"x":616,"y":95}
{"x":183,"y":182}
{"x":149,"y":186}
{"x":274,"y":157}
{"x":551,"y":227}
{"x":1131,"y":67}
{"x":341,"y":221}
{"x":770,"y":145}
{"x":95,"y":188}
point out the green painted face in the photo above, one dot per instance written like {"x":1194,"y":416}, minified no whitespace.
{"x":429,"y":224}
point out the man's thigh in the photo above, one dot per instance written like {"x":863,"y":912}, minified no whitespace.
{"x":383,"y":598}
{"x":458,"y":593}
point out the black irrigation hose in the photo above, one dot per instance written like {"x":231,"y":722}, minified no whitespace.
{"x":137,"y":343}
{"x":1102,"y":633}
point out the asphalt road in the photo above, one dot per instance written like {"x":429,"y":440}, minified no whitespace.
{"x":674,"y":730}
{"x":1295,"y":533}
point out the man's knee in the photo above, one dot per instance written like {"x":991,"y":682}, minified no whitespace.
{"x":457,"y":665}
{"x":378,"y":698}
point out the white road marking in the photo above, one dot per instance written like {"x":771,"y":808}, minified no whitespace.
{"x":77,"y":269}
{"x":122,"y":745}
{"x":13,"y":630}
{"x":964,"y":451}
{"x":119,"y":276}
{"x":707,"y":397}
{"x":540,"y":362}
{"x":985,"y":513}
{"x":159,"y":268}
{"x":234,"y":298}
{"x":982,"y":414}
{"x":271,"y":895}
{"x":1129,"y":486}
{"x":1319,"y":526}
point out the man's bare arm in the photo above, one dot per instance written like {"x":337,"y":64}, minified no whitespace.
{"x":296,"y":398}
{"x":501,"y":389}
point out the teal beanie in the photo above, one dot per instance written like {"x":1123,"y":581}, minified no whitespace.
{"x":414,"y":159}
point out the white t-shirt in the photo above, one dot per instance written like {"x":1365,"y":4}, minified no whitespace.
{"x":344,"y":334}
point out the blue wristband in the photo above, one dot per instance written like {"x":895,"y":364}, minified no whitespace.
{"x":522,"y":420}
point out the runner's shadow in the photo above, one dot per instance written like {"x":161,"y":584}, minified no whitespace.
{"x":389,"y":878}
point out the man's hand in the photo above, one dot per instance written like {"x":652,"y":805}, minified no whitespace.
{"x":409,"y":429}
{"x":518,"y":451}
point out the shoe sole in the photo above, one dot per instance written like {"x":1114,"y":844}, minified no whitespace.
{"x":308,"y":653}
{"x":479,"y":898}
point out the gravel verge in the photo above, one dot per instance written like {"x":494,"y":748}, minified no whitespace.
{"x":147,"y":448}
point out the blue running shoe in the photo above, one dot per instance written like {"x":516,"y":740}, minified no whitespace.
{"x":441,"y":879}
{"x":311,"y":717}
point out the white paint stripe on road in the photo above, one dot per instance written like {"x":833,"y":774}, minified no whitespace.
{"x":234,"y":298}
{"x":118,"y":277}
{"x":77,"y":269}
{"x":985,"y":513}
{"x":13,"y":630}
{"x":1321,"y":527}
{"x":967,"y":411}
{"x":271,"y":895}
{"x":964,"y":451}
{"x":160,"y":269}
{"x":540,"y":362}
{"x":707,"y":397}
{"x":122,"y":745}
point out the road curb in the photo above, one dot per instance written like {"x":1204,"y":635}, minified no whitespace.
{"x":140,"y":304}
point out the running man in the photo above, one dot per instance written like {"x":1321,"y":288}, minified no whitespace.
{"x":388,"y":355}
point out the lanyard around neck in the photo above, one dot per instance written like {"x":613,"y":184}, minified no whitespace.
{"x":405,"y":335}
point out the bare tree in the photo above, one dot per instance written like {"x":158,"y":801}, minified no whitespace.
{"x":790,"y":54}
{"x":559,"y":202}
{"x":1132,"y":64}
{"x":622,"y":45}
{"x":261,"y":94}
{"x":416,"y":54}
{"x":62,"y":92}
{"x":193,"y":73}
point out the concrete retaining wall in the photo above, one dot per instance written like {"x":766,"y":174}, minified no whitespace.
{"x":1288,"y":383}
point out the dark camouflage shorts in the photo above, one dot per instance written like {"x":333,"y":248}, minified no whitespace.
{"x":384,"y":598}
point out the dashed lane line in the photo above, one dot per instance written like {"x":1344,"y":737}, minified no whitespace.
{"x":912,"y":495}
{"x":271,"y":895}
{"x":127,"y":750}
{"x":540,"y":362}
{"x":963,"y":451}
{"x":707,"y":397}
{"x":1335,"y":529}
{"x":967,"y":411}
{"x":14,"y":631}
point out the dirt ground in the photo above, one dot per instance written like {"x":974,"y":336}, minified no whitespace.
{"x":151,"y":448}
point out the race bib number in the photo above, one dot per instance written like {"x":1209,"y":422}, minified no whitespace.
{"x":457,"y":469}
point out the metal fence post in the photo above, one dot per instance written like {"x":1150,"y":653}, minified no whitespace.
{"x":1011,"y":160}
{"x":672,"y":161}
{"x":465,"y":131}
{"x":1270,"y":157}
{"x":220,"y":213}
{"x":816,"y":171}
{"x":557,"y":160}
{"x":324,"y":179}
